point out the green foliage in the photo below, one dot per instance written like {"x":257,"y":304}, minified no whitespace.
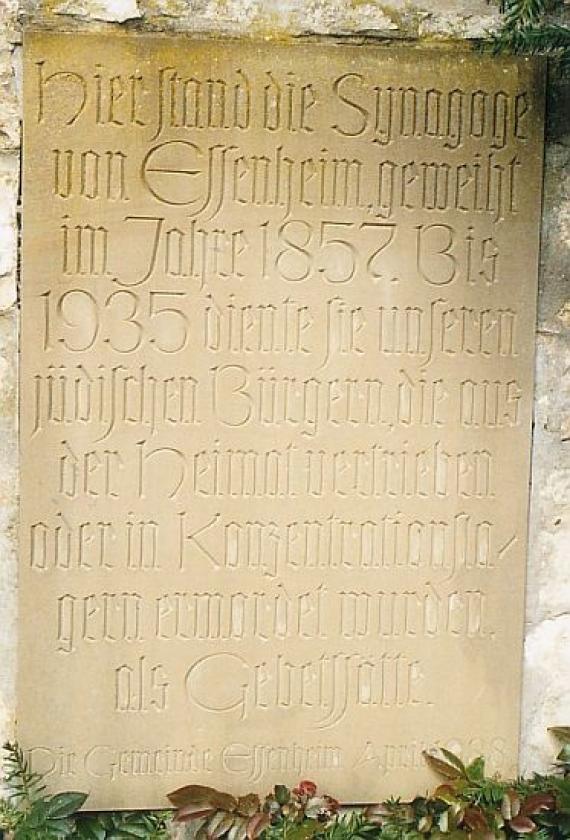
{"x":467,"y":805}
{"x":352,"y":826}
{"x":204,"y":813}
{"x":122,"y":825}
{"x":29,"y":813}
{"x":529,"y":30}
{"x":525,"y":12}
{"x":563,"y":757}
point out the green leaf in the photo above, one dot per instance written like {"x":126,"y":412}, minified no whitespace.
{"x":133,"y":831}
{"x":564,"y":754}
{"x":282,"y":794}
{"x":65,"y":804}
{"x":475,"y":771}
{"x":91,"y":829}
{"x":453,"y":759}
{"x":444,"y":768}
{"x":304,"y":830}
{"x":60,"y":827}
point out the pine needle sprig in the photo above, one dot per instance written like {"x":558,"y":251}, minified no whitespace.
{"x":24,"y":786}
{"x":520,"y":14}
{"x":528,"y":29}
{"x":549,"y":39}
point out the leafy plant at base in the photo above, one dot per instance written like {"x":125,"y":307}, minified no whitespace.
{"x":28,"y":812}
{"x":487,"y":806}
{"x":204,"y":813}
{"x":467,"y":805}
{"x":557,"y":824}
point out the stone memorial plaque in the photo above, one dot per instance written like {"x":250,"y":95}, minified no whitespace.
{"x":278,"y":318}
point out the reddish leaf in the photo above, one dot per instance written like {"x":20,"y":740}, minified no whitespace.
{"x":305,"y":788}
{"x":256,"y":824}
{"x":193,"y":812}
{"x":218,"y":824}
{"x":200,"y":794}
{"x":475,"y":820}
{"x":522,"y":825}
{"x":537,"y":802}
{"x":224,"y":826}
{"x":248,"y":805}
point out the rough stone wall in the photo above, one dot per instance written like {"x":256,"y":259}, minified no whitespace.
{"x":443,"y":23}
{"x":546,"y":683}
{"x":9,"y":233}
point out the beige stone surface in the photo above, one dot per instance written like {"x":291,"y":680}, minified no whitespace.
{"x":278,"y":308}
{"x":549,"y":544}
{"x":8,"y":518}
